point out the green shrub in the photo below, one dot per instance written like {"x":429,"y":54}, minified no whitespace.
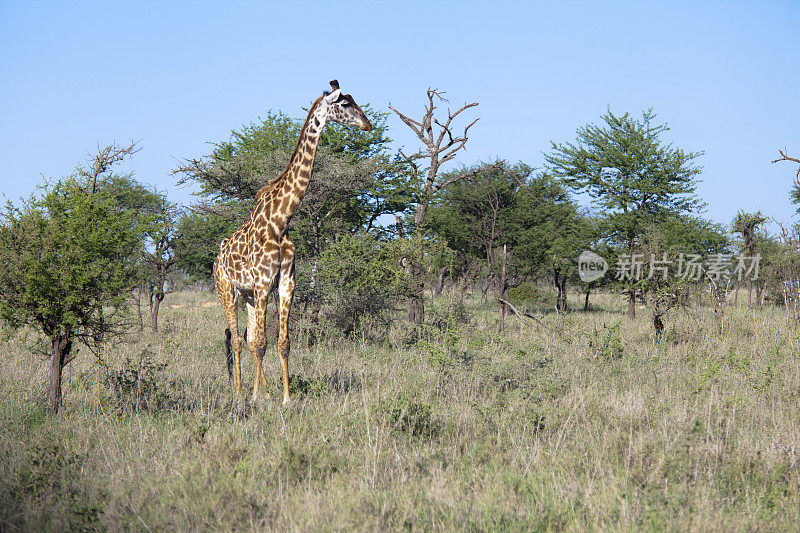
{"x":440,"y":337}
{"x":50,"y":478}
{"x":360,"y":277}
{"x":525,"y":292}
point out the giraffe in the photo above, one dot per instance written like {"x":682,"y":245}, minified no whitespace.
{"x":260,"y":254}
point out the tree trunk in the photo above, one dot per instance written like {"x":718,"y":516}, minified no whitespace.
{"x":750,"y":294}
{"x":412,"y":264}
{"x":139,"y":292}
{"x":416,"y":309}
{"x":658,"y":324}
{"x":786,"y":301}
{"x":586,"y":301}
{"x":416,"y":288}
{"x":156,"y":303}
{"x":760,"y":293}
{"x":60,"y":346}
{"x":632,"y":304}
{"x":440,"y":281}
{"x":560,"y":283}
{"x":312,"y":285}
{"x":719,"y":315}
{"x":502,"y":288}
{"x":416,"y":302}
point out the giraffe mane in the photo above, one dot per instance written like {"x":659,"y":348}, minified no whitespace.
{"x":300,"y":137}
{"x":300,"y":140}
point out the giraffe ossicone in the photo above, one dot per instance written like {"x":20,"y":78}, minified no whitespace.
{"x":260,"y":255}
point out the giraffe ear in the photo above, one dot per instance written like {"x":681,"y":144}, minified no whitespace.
{"x":330,"y":98}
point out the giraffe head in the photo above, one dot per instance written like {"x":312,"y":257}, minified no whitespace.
{"x":343,"y":109}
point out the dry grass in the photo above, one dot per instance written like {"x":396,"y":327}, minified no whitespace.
{"x":589,"y":425}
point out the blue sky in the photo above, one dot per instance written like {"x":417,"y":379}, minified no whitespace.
{"x":178,"y":75}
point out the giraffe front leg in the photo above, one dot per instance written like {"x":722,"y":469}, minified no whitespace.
{"x":285,"y":295}
{"x":255,"y":348}
{"x":257,"y":341}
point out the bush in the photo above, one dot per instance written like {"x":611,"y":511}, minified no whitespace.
{"x":361,"y":277}
{"x":526,"y":292}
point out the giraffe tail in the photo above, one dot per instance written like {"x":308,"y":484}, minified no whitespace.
{"x":228,"y":353}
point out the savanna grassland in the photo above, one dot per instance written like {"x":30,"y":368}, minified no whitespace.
{"x":583,"y":424}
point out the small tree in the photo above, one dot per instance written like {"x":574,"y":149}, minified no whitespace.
{"x":747,"y":226}
{"x":67,"y":264}
{"x":788,"y":268}
{"x":159,"y":258}
{"x":666,"y":245}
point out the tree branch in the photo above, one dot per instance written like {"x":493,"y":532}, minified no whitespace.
{"x":522,"y":316}
{"x":464,"y":175}
{"x":785,"y":157}
{"x":105,"y":158}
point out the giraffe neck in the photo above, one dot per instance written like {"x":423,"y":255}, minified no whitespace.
{"x":301,"y":164}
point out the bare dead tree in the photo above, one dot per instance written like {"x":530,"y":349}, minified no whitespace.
{"x":440,"y":145}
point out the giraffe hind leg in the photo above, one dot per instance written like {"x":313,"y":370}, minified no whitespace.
{"x":229,"y":354}
{"x":227,"y":298}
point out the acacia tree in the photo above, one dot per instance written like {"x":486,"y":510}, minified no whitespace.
{"x":440,"y":146}
{"x":631,"y":175}
{"x":68,"y":263}
{"x":787,"y":266}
